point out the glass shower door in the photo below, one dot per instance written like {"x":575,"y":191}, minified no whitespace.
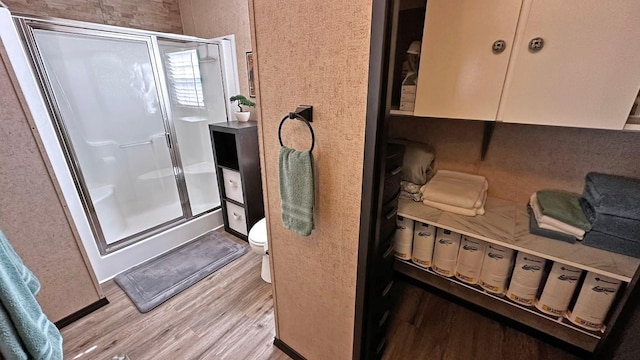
{"x":195,"y":92}
{"x":108,"y":106}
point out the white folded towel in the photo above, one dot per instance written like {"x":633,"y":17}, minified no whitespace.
{"x":549,"y":223}
{"x":479,"y":210}
{"x":456,"y":189}
{"x":455,"y":209}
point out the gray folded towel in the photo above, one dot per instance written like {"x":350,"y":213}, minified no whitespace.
{"x":613,"y":195}
{"x":537,"y":230}
{"x":612,"y":243}
{"x":563,"y":206}
{"x":296,"y":190}
{"x":628,"y":229}
{"x":416,"y":163}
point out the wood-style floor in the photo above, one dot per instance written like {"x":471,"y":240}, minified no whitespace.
{"x":228,"y":315}
{"x":426,"y":326}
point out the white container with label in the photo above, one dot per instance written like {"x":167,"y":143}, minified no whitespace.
{"x":470,"y":257}
{"x":496,"y":268}
{"x":559,"y":289}
{"x":403,"y":238}
{"x":593,"y":303}
{"x":526,"y":278}
{"x":445,"y":252}
{"x":424,"y":236}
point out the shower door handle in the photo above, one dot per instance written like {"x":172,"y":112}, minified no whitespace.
{"x":124,"y":146}
{"x":167,"y":136}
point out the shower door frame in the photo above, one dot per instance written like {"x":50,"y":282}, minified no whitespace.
{"x":26,"y":24}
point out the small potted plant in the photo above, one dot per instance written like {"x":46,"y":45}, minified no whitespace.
{"x":241,"y":101}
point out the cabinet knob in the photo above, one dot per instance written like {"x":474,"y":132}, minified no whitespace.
{"x":536,"y":44}
{"x":498,"y":46}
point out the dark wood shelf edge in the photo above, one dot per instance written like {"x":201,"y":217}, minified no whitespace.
{"x":234,"y":127}
{"x":583,"y":343}
{"x":234,"y":202}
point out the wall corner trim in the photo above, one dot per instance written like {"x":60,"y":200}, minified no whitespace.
{"x":81,"y":313}
{"x":287,"y":349}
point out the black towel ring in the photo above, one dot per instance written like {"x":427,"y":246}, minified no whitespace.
{"x":293,"y":115}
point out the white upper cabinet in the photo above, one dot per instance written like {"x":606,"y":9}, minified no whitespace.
{"x":581,"y":70}
{"x":460,"y":74}
{"x":587,"y":72}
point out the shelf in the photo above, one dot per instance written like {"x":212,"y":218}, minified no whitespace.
{"x":394,"y":111}
{"x":633,"y":123}
{"x":193,"y":118}
{"x":556,"y":327}
{"x":506,"y":223}
{"x":233,"y":127}
{"x":234,"y":202}
{"x":193,"y":169}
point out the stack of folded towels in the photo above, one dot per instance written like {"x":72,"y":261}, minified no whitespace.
{"x":456,"y":192}
{"x":612,"y":205}
{"x":557,"y":215}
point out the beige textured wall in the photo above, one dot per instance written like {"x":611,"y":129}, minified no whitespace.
{"x":321,"y":60}
{"x":525,"y":158}
{"x":32,"y":214}
{"x":157,"y":15}
{"x":215,"y":18}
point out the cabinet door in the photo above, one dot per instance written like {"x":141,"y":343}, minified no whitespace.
{"x":587,"y":74}
{"x":460,"y":76}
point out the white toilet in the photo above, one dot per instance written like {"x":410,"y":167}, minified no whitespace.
{"x":259,"y":244}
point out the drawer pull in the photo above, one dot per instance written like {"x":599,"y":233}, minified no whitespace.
{"x":233,"y":183}
{"x":498,"y":46}
{"x":388,"y":252}
{"x":387,"y":289}
{"x":536,"y":44}
{"x":235,"y":216}
{"x":396,"y":171}
{"x":391,"y":213}
{"x":383,"y":319}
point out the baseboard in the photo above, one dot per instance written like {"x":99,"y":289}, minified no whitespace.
{"x":287,"y":349}
{"x":81,"y":313}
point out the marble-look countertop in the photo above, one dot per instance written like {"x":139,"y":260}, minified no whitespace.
{"x":507,"y":223}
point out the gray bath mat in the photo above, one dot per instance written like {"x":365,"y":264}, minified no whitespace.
{"x":155,"y":281}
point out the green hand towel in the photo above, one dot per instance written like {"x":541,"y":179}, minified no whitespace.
{"x":25,"y":331}
{"x":296,"y":190}
{"x":563,"y":206}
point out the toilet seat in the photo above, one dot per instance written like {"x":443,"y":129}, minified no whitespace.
{"x":258,"y":233}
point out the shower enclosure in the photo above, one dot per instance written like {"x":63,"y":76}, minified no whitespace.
{"x":131,"y":110}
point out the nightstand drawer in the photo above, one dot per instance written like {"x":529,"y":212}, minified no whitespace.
{"x":232,"y":185}
{"x":237,"y":218}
